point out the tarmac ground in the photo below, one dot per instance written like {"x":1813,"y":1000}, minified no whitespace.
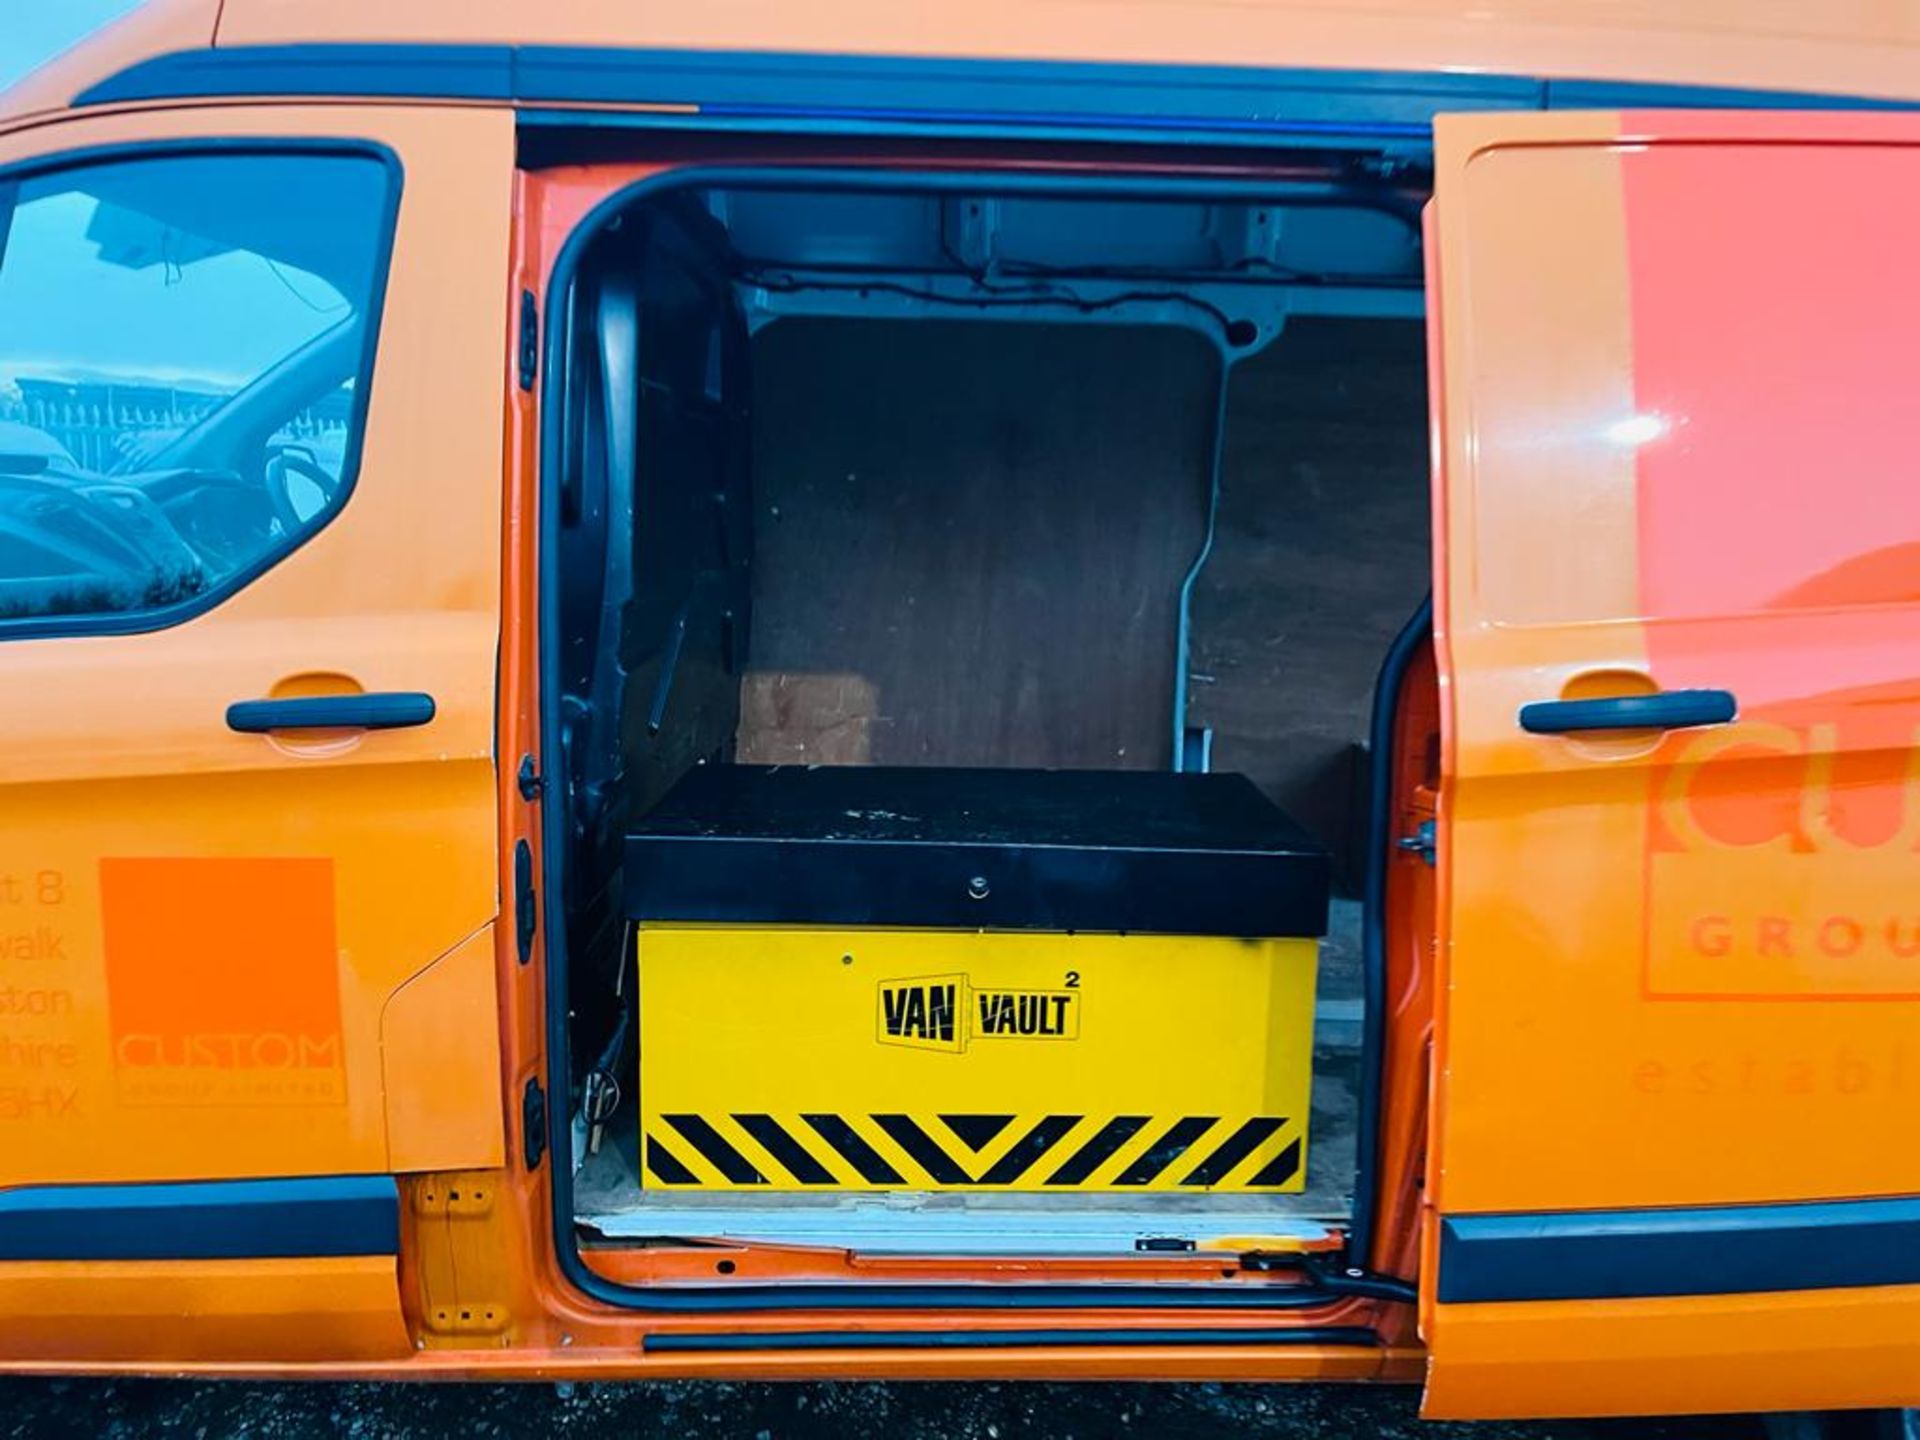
{"x":199,"y":1410}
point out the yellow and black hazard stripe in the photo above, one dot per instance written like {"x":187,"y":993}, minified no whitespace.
{"x":1042,"y":1152}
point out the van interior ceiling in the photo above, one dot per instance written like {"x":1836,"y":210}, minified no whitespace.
{"x":972,"y":476}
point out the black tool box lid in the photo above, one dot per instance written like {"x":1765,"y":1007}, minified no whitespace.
{"x":976,"y":849}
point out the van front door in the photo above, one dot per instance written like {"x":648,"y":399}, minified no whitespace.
{"x":1677,"y":1136}
{"x":252,"y":381}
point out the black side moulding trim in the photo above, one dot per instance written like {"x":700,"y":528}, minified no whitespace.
{"x":749,"y":1298}
{"x":383,"y":710}
{"x":324,"y":1215}
{"x":1719,"y":1250}
{"x":760,"y":1340}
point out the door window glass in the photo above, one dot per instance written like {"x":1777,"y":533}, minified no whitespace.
{"x":1691,"y":372}
{"x":183,"y":353}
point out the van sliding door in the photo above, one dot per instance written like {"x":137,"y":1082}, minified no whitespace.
{"x":1678,"y":1113}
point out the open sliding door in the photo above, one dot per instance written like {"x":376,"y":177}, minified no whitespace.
{"x":1677,"y":1136}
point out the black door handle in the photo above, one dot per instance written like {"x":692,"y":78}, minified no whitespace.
{"x":384,"y":710}
{"x":1664,"y":710}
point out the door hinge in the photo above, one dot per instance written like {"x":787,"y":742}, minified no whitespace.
{"x":526,"y":904}
{"x":529,"y":339}
{"x":461,"y":1251}
{"x":533,"y":1124}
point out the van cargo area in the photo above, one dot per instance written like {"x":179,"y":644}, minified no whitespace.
{"x":971,"y":597}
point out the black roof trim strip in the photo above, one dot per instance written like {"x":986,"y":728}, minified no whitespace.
{"x":889,"y":91}
{"x":440,"y":72}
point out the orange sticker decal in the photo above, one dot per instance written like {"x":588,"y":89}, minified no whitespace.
{"x":223,"y":981}
{"x":1780,"y":866}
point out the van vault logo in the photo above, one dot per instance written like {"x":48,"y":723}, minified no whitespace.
{"x":946,"y":1012}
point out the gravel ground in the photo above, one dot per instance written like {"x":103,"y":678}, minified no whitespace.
{"x":198,"y":1411}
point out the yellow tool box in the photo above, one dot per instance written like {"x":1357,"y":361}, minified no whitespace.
{"x":815,"y":1014}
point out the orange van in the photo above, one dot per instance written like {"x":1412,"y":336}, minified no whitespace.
{"x":1171,"y":690}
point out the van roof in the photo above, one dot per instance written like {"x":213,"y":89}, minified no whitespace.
{"x":1846,"y":48}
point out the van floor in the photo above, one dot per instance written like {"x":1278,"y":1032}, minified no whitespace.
{"x":611,"y":1205}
